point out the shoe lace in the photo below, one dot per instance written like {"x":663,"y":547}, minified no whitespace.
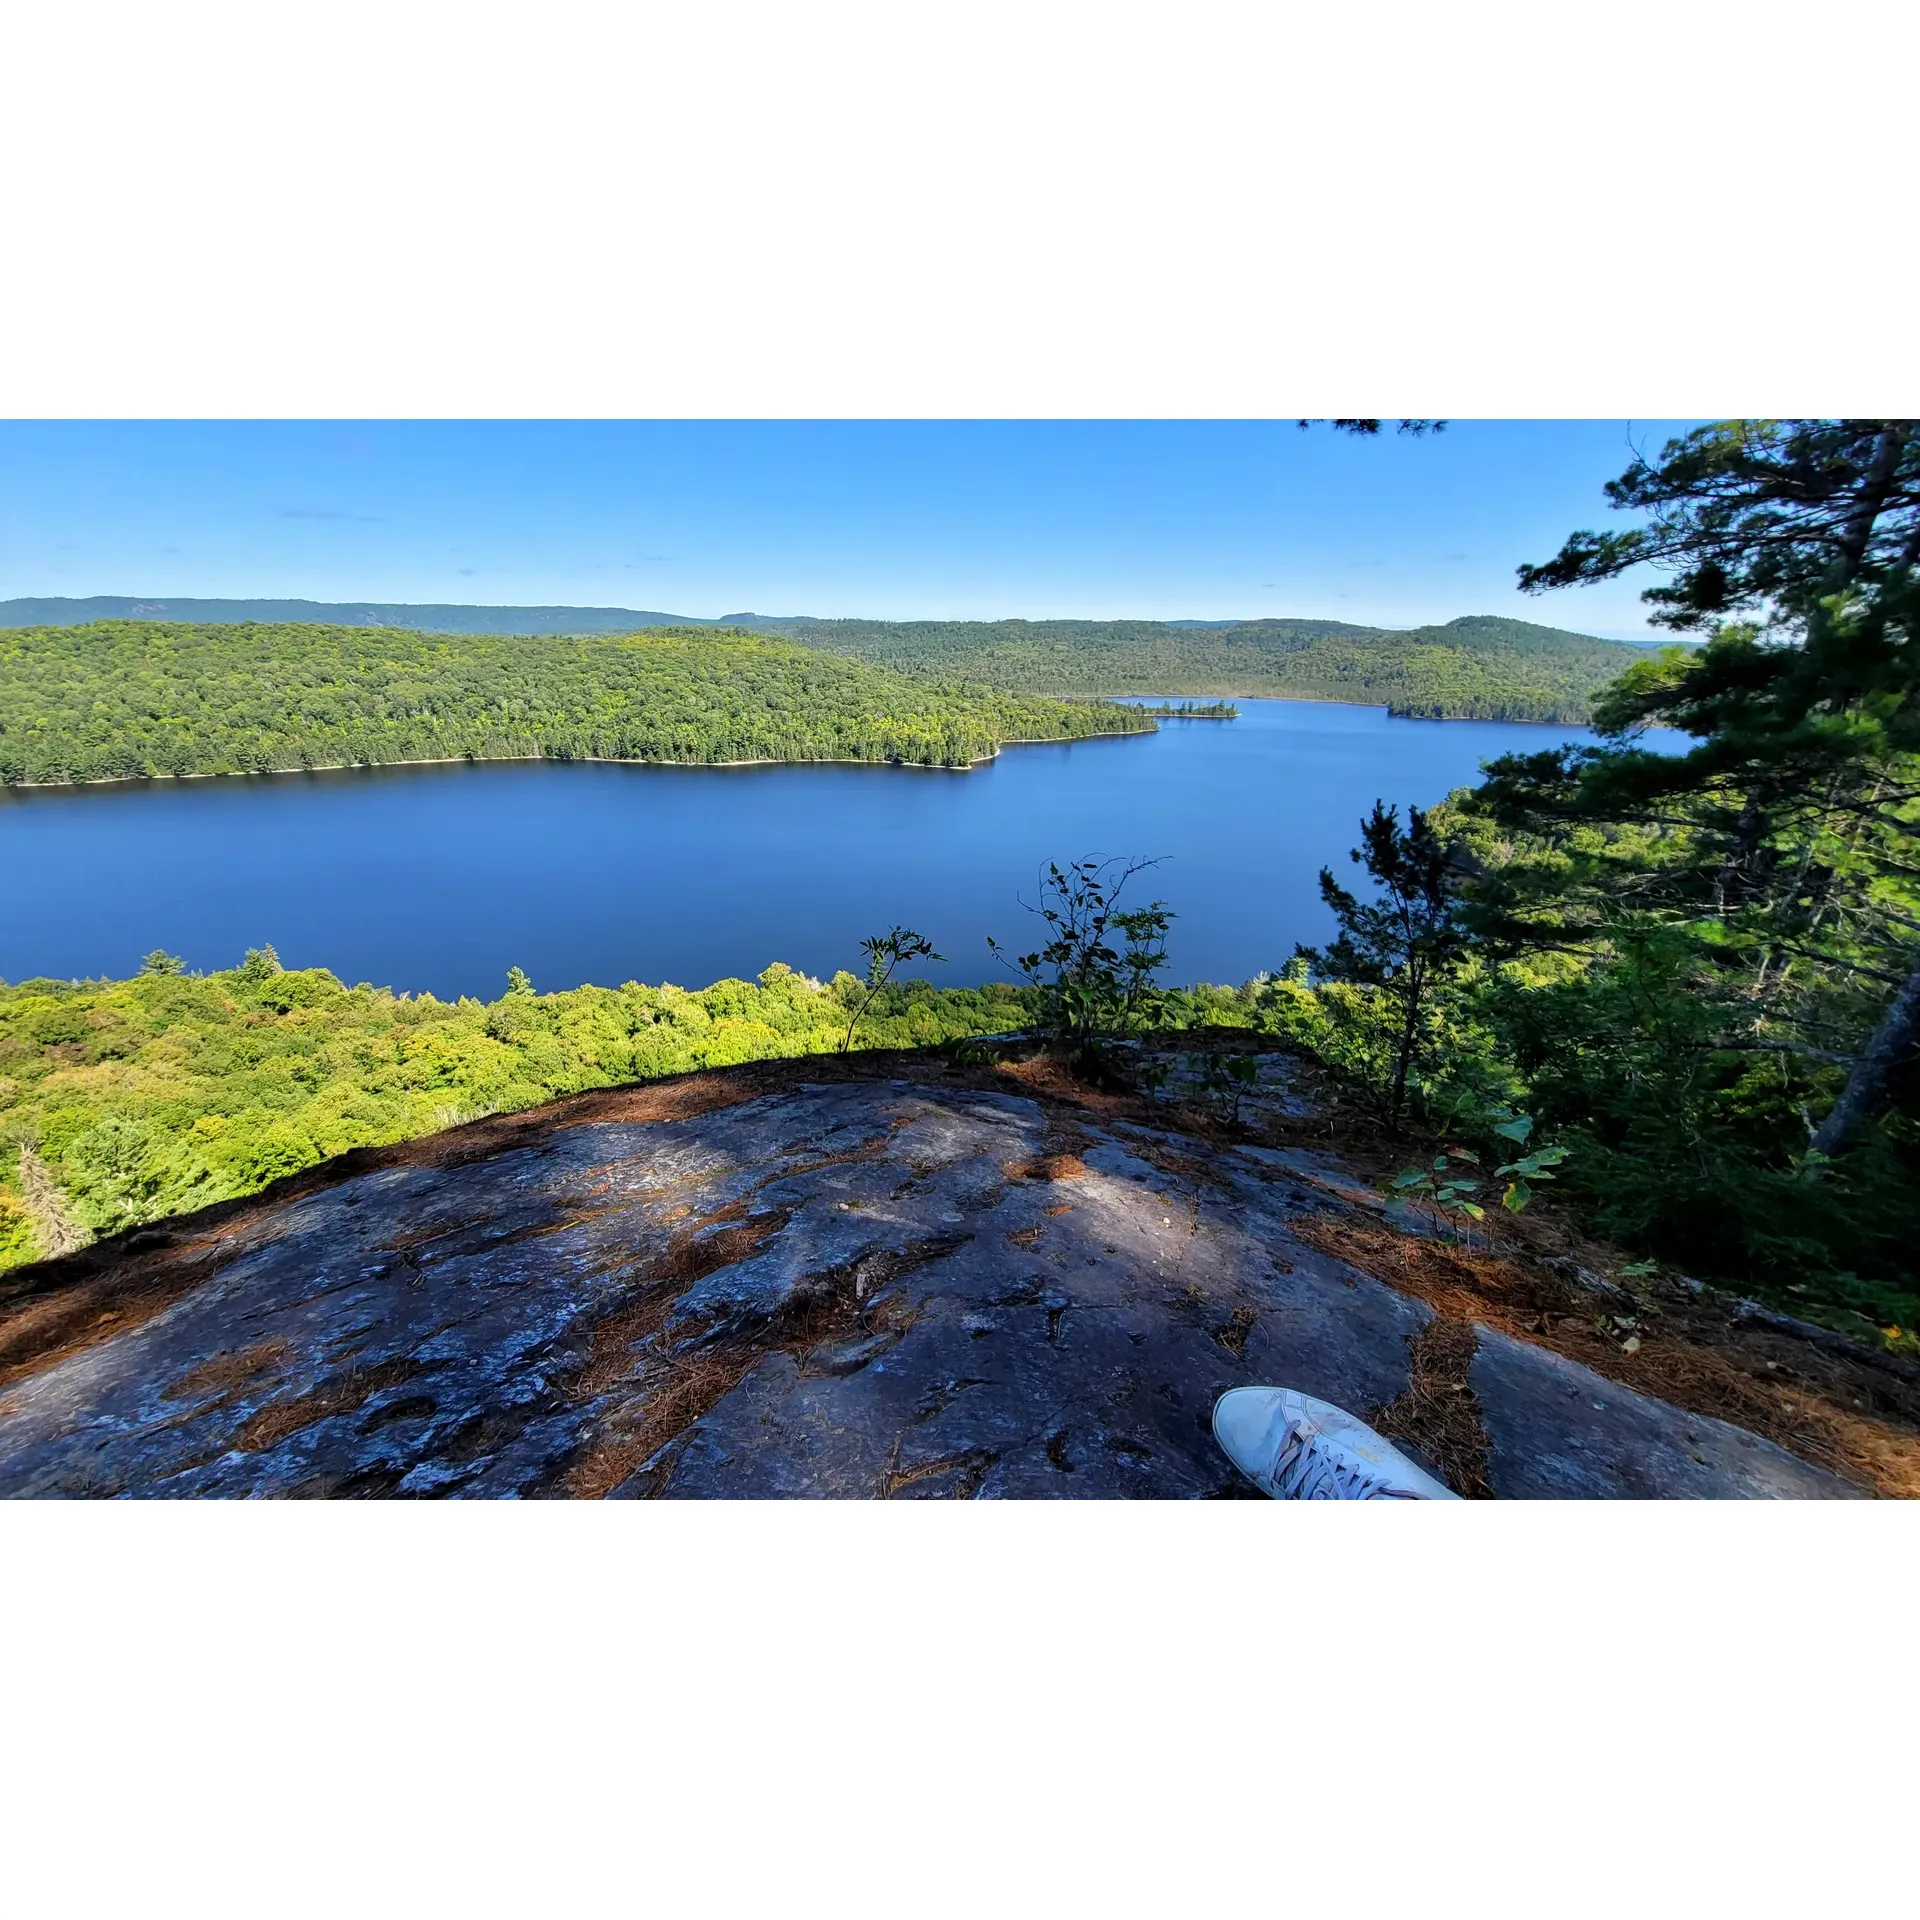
{"x":1306,"y":1470}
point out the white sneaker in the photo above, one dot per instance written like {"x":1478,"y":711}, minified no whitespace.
{"x":1294,"y":1447}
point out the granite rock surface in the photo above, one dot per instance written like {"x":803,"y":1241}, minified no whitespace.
{"x":878,"y":1289}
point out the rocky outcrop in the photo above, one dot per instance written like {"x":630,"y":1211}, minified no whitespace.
{"x":909,"y":1288}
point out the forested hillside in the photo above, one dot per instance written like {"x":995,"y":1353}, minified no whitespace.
{"x":123,"y":699}
{"x":1480,"y":668}
{"x":127,"y":1100}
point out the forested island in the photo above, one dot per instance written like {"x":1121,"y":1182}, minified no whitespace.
{"x":127,"y":699}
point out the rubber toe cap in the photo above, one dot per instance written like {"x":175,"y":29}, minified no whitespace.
{"x":1243,"y":1424}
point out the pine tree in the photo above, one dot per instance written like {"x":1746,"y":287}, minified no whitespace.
{"x":1787,"y":834}
{"x":1404,"y":943}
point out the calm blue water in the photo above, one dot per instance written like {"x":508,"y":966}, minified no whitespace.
{"x":440,"y":878}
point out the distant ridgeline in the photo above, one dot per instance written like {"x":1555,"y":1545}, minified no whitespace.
{"x":56,"y":612}
{"x":122,"y":699}
{"x":1478,"y":668}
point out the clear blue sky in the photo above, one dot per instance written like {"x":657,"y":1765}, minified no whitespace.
{"x":888,"y":519}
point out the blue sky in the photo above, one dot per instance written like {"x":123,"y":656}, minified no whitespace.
{"x":886,"y":519}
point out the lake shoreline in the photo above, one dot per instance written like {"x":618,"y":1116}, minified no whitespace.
{"x":1302,"y":699}
{"x":915,"y":766}
{"x":574,"y":870}
{"x":553,"y":760}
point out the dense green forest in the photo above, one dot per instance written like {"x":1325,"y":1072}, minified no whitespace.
{"x":123,"y":1101}
{"x":139,"y":1098}
{"x":122,"y":699}
{"x":1479,"y":668}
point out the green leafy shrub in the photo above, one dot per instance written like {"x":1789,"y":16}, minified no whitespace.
{"x":1085,"y":989}
{"x":1444,"y":1186}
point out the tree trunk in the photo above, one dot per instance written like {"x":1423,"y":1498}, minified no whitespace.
{"x":1875,"y":490}
{"x":1866,"y":1086}
{"x":57,"y":1230}
{"x":1403,"y":1059}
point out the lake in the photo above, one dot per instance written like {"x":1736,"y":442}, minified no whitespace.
{"x":440,"y":878}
